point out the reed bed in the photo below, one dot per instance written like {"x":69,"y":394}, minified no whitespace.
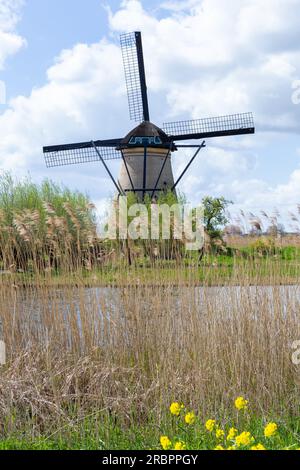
{"x":44,"y":227}
{"x":129,"y":352}
{"x":113,"y":333}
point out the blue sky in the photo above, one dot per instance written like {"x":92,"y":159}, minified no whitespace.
{"x":52,"y":25}
{"x":201,"y":60}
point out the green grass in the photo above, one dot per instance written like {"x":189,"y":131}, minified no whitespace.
{"x":107,"y":434}
{"x":213,"y":270}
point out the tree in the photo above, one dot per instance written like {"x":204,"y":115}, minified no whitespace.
{"x":214,"y":216}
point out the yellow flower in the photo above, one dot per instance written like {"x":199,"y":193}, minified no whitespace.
{"x":165,"y":442}
{"x":231,"y":434}
{"x":270,"y":430}
{"x":210,"y":424}
{"x":180,"y":446}
{"x":219,"y":448}
{"x":176,"y":408}
{"x":244,"y":439}
{"x":241,"y":404}
{"x":258,"y":447}
{"x":190,"y":418}
{"x":220,"y":433}
{"x":231,"y":448}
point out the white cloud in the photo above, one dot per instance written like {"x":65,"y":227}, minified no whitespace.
{"x":10,"y":14}
{"x":10,"y":41}
{"x":83,"y":82}
{"x":222,"y":60}
{"x":177,"y":6}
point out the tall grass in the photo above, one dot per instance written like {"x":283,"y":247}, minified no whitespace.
{"x":48,"y":229}
{"x":128,"y":352}
{"x":43,"y":227}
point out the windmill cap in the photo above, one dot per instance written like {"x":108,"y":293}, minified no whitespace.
{"x":147,"y":134}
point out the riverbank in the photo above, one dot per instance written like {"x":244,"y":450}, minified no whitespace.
{"x":213,"y":271}
{"x":94,"y":358}
{"x":78,"y":358}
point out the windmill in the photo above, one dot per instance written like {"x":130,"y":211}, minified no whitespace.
{"x":146,"y":151}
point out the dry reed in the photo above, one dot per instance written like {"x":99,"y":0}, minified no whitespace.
{"x":130,"y":351}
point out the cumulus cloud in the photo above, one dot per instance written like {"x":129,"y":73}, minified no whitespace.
{"x":215,"y":60}
{"x":10,"y":41}
{"x":201,"y":60}
{"x":80,"y":101}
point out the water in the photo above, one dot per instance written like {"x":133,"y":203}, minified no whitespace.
{"x":112,"y":300}
{"x":73,"y":314}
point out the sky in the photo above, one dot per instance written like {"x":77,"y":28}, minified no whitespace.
{"x":61,"y":65}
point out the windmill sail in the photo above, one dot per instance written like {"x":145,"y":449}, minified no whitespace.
{"x":146,"y":150}
{"x":133,"y":59}
{"x":83,"y":152}
{"x":234,"y":124}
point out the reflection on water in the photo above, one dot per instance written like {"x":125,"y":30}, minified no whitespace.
{"x":111,"y":301}
{"x":102,"y":316}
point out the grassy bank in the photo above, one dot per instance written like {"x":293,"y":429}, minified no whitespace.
{"x":213,"y":270}
{"x":104,"y":433}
